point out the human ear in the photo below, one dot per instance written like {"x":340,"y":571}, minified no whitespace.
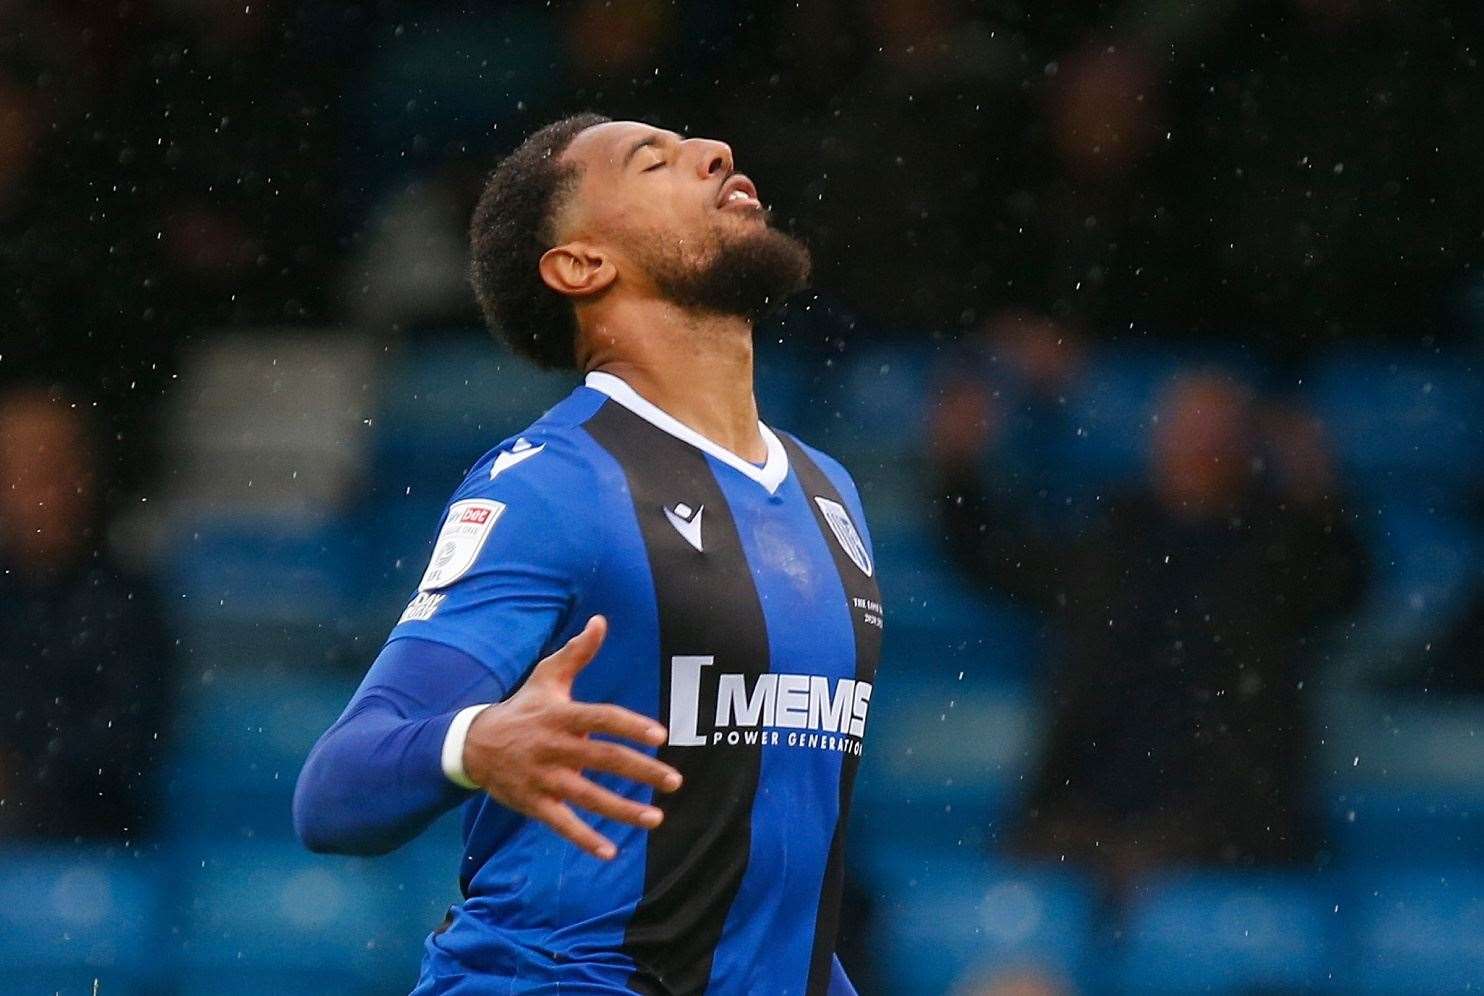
{"x":576,"y":269}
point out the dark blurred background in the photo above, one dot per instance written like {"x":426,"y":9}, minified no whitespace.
{"x":1151,"y":330}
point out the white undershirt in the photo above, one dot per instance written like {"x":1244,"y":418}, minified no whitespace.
{"x":453,"y":745}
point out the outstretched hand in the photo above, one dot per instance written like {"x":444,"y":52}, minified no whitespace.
{"x":530,"y":751}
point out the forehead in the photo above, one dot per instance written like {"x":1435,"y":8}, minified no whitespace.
{"x":606,"y":144}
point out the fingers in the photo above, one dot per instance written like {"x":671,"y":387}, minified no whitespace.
{"x":596,"y":799}
{"x":600,"y":755}
{"x":564,"y":665}
{"x":559,"y":816}
{"x":617,"y":721}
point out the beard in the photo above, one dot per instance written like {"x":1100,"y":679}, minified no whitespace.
{"x":748,"y":273}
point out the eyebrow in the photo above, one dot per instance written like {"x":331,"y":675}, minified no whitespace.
{"x":651,"y":139}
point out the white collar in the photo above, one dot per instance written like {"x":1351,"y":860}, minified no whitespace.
{"x":770,"y":475}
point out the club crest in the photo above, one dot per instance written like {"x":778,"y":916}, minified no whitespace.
{"x":844,"y":530}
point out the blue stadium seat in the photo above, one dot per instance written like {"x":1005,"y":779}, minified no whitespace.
{"x":445,"y":405}
{"x":239,"y":574}
{"x":923,"y":588}
{"x":243,"y":738}
{"x":403,"y":527}
{"x":313,"y":982}
{"x":783,"y":388}
{"x":870,"y":404}
{"x":1419,"y":931}
{"x":934,"y":626}
{"x":72,"y":915}
{"x":424,"y":874}
{"x":433,"y":91}
{"x":943,"y":760}
{"x":1417,"y":827}
{"x":938,"y":623}
{"x":450,"y":401}
{"x":284,"y":920}
{"x":963,"y":916}
{"x":1427,"y":560}
{"x":1231,"y":932}
{"x":1113,"y":408}
{"x":1393,"y":413}
{"x":903,"y":539}
{"x":930,"y":595}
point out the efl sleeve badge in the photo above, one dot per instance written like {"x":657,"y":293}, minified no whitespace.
{"x":468,"y":525}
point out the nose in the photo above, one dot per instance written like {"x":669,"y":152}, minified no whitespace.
{"x":712,"y":157}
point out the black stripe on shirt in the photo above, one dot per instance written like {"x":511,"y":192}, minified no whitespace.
{"x":860,"y":589}
{"x":708,"y":606}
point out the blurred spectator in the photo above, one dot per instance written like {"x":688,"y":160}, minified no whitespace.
{"x":1106,"y":115}
{"x":1188,"y":611}
{"x":83,"y":652}
{"x":17,"y":146}
{"x":614,"y":40}
{"x":1011,"y":387}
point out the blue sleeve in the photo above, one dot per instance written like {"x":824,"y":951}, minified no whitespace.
{"x":375,"y":778}
{"x":839,"y":981}
{"x":511,"y":556}
{"x":513,"y":549}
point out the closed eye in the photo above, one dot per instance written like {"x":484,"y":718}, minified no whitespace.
{"x":656,"y":166}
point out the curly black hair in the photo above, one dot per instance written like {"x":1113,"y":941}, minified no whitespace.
{"x":510,"y":231}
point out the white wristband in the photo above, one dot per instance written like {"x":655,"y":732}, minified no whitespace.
{"x":453,"y":745}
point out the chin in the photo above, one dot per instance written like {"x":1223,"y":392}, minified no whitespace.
{"x":746,"y":267}
{"x":753,"y":227}
{"x":752,"y":216}
{"x":743,"y":217}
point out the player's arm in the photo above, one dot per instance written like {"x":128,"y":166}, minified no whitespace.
{"x":375,"y":779}
{"x":398,"y":757}
{"x":422,"y":731}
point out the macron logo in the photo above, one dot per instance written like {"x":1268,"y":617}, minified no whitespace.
{"x":686,"y":522}
{"x":517,"y":454}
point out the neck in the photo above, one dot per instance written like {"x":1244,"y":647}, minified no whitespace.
{"x":696,"y":368}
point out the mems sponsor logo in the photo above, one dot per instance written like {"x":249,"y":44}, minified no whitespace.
{"x":794,"y":710}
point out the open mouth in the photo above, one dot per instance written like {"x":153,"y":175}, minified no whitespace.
{"x":738,"y":192}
